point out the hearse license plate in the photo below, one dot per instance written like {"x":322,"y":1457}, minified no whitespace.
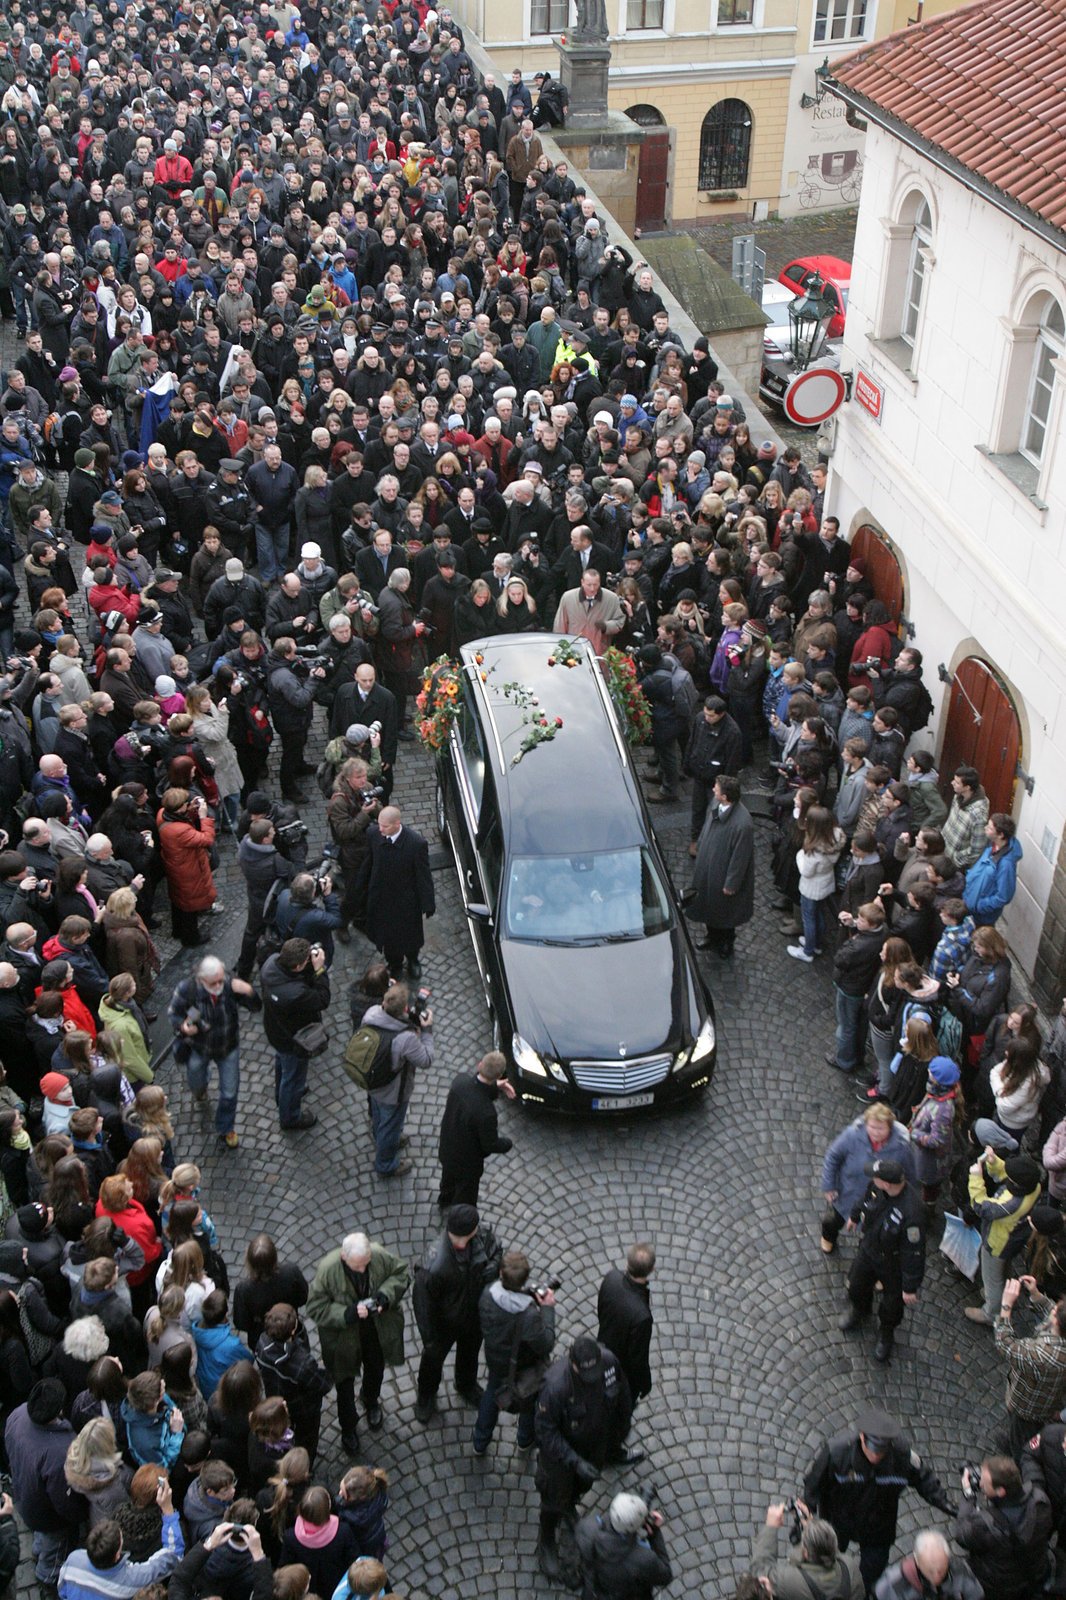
{"x":622,"y":1102}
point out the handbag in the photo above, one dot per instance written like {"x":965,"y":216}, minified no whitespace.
{"x":312,"y":1038}
{"x":520,"y":1386}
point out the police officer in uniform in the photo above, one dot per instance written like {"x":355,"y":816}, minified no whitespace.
{"x":891,"y":1252}
{"x":229,"y":507}
{"x":855,"y":1482}
{"x":583,"y":1415}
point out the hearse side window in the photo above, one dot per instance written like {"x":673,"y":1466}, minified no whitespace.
{"x":473,"y":748}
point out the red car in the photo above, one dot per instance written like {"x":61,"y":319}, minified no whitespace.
{"x":835,"y":274}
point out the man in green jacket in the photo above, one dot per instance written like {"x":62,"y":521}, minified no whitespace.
{"x":355,"y":1303}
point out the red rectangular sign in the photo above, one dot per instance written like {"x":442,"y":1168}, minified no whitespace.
{"x":869,"y":394}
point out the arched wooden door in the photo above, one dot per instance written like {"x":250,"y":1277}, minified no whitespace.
{"x":982,"y":731}
{"x":882,"y":569}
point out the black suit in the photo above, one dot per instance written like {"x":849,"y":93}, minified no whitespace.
{"x":370,"y":572}
{"x":82,"y":769}
{"x":566,"y":573}
{"x":459,"y":526}
{"x":398,"y":885}
{"x":379,"y":706}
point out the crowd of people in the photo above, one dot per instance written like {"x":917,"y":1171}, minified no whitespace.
{"x":326,"y":369}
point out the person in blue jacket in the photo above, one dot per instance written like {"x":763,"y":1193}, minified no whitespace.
{"x":103,"y":1570}
{"x":993,"y":879}
{"x":155,"y":1426}
{"x":217,"y":1345}
{"x":873,"y":1136}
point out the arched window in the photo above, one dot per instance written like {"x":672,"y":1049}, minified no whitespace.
{"x":921,"y":243}
{"x":646,"y":116}
{"x":725,"y":146}
{"x":1048,"y":348}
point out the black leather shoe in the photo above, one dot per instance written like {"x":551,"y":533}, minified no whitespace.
{"x":350,"y":1444}
{"x":424,"y":1409}
{"x":472,"y":1396}
{"x":343,"y":935}
{"x":548,"y":1561}
{"x":852,"y":1321}
{"x":374,"y":1417}
{"x":414,"y":970}
{"x":627,"y":1456}
{"x":306,"y":1119}
{"x":883,"y":1348}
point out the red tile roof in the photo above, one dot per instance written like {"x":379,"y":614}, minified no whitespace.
{"x":985,"y":84}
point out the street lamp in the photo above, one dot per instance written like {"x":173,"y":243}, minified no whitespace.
{"x":809,"y":315}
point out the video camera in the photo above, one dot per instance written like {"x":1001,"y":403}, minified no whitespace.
{"x":419,"y":1007}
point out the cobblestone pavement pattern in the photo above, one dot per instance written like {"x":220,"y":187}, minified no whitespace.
{"x":749,"y":1367}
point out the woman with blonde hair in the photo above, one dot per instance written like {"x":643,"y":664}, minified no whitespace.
{"x":516,"y":609}
{"x":94,"y":1468}
{"x":816,"y":860}
{"x":129,"y":945}
{"x":910,"y":1066}
{"x":166,"y":1325}
{"x":873,"y":1136}
{"x":279,"y":1499}
{"x":123,"y":1017}
{"x":185,"y":1268}
{"x":150,"y":1119}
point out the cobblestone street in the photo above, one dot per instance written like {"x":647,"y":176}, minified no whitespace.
{"x":748,"y":1363}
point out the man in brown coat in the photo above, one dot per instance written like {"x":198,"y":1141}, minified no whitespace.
{"x":591,"y":612}
{"x":523,"y":153}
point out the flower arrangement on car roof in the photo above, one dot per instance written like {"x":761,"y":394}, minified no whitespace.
{"x":440,"y":699}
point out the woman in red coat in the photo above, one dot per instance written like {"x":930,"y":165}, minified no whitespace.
{"x":186,"y":838}
{"x":875,"y":640}
{"x":117,"y":1202}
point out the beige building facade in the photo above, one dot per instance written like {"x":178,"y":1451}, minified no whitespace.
{"x":726,"y":78}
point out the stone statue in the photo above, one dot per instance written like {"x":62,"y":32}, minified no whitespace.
{"x":591,"y":21}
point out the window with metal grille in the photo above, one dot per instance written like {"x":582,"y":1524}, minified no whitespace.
{"x":549,"y":16}
{"x":1049,"y":347}
{"x":921,"y":241}
{"x":643,"y":14}
{"x":838,"y":20}
{"x":734,"y":13}
{"x":725,"y":146}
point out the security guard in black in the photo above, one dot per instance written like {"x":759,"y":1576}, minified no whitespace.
{"x":891,"y":1250}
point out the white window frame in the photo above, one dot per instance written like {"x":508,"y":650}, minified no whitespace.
{"x":550,"y":31}
{"x":869,"y":8}
{"x":1048,"y":350}
{"x":918,"y":265}
{"x":757,"y":18}
{"x":662,"y":32}
{"x":650,"y":27}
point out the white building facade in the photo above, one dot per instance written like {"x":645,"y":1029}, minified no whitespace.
{"x":950,"y":460}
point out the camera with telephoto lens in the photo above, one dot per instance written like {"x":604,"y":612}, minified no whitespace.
{"x":418,"y":1009}
{"x":795,"y":1533}
{"x":290,"y":833}
{"x":375,"y":727}
{"x":371,"y":796}
{"x":971,"y":1478}
{"x":550,"y":1284}
{"x":365,"y":603}
{"x":308,"y":657}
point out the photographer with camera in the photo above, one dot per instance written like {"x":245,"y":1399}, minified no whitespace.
{"x":518,"y":1329}
{"x":295,"y":995}
{"x":1005,"y":1527}
{"x":343,"y":650}
{"x":231,"y":1554}
{"x":352,"y":807}
{"x":290,"y":830}
{"x":291,"y":702}
{"x":820,"y":1573}
{"x":308,"y":909}
{"x":411,"y":1027}
{"x":623,"y":1555}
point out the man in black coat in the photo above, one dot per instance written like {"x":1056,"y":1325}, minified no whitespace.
{"x":715,"y":747}
{"x":399,"y":891}
{"x":469,"y":1131}
{"x":626,"y":1321}
{"x":178,"y":623}
{"x":583,"y":1415}
{"x":584,"y":552}
{"x":235,"y":588}
{"x":295,"y":987}
{"x":448,"y":1285}
{"x":367,"y":701}
{"x":438,"y":603}
{"x":902,"y":688}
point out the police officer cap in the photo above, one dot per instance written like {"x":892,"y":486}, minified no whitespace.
{"x":586,"y":1358}
{"x":887,"y":1171}
{"x":877,"y":1427}
{"x":227,"y":464}
{"x":462,"y":1220}
{"x":628,"y":1513}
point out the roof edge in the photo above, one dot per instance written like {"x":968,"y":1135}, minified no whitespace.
{"x":1023,"y":215}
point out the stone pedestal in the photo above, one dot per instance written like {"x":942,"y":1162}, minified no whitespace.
{"x":606,"y":150}
{"x":583,"y":67}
